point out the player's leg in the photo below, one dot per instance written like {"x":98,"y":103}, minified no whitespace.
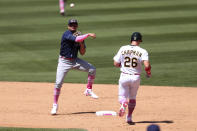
{"x":132,"y":96}
{"x":62,"y":69}
{"x":131,"y":107}
{"x":58,"y":84}
{"x":123,"y":93}
{"x":62,"y":4}
{"x":65,"y":3}
{"x":87,"y":67}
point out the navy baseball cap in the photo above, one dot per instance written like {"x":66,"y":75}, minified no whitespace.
{"x":72,"y":21}
{"x":153,"y":127}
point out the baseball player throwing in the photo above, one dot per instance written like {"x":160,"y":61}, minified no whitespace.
{"x":71,"y":43}
{"x":130,"y":58}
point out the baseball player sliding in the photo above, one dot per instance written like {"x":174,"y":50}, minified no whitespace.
{"x":71,"y":43}
{"x":130,"y":58}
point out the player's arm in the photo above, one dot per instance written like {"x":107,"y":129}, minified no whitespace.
{"x":147,"y":68}
{"x":81,"y":38}
{"x":82,"y":48}
{"x":117,"y":59}
{"x":77,"y":38}
{"x":69,"y":36}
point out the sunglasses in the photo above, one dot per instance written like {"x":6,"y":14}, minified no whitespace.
{"x":73,"y":25}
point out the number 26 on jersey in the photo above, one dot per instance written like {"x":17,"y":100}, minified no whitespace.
{"x":130,"y":62}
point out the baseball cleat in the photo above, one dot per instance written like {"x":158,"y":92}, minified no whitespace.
{"x":89,"y":92}
{"x":54,"y":109}
{"x":62,"y":13}
{"x":123,"y":109}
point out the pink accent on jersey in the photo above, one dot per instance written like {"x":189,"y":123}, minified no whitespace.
{"x":56,"y":94}
{"x":81,"y":38}
{"x":61,"y":4}
{"x":90,"y":81}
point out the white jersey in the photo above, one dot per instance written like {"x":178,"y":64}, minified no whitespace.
{"x":131,"y":58}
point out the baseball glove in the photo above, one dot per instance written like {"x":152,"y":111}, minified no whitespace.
{"x":77,"y":33}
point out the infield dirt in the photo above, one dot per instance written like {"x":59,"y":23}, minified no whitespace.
{"x":28,"y":105}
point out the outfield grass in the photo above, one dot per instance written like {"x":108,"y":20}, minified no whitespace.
{"x":30,"y":32}
{"x":38,"y":129}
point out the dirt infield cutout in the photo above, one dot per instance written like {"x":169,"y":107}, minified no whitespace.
{"x":27,"y":104}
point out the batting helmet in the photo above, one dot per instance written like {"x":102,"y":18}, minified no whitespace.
{"x":136,"y":36}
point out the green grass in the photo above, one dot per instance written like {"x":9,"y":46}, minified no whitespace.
{"x":38,"y":129}
{"x":30,"y":33}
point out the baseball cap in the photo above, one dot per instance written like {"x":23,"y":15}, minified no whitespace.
{"x":72,"y":21}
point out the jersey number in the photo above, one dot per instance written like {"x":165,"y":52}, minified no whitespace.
{"x":130,"y":62}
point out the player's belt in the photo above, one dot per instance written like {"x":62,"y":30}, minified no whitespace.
{"x":66,"y":58}
{"x":131,"y":74}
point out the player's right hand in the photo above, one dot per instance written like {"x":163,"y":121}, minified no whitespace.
{"x":93,"y":35}
{"x":148,"y":75}
{"x":148,"y":71}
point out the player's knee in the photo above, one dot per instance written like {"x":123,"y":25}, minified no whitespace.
{"x":92,"y":71}
{"x":132,"y":97}
{"x":122,"y":99}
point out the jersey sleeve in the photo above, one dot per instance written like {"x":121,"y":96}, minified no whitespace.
{"x":69,"y":36}
{"x":145,"y":55}
{"x":117,"y":57}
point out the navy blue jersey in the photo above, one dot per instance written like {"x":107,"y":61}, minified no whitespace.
{"x":69,"y":48}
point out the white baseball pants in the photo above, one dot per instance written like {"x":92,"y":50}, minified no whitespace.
{"x":128,"y":86}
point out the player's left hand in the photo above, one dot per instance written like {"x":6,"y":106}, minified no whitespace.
{"x":77,"y":33}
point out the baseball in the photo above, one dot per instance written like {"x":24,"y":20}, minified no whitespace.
{"x":72,"y":5}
